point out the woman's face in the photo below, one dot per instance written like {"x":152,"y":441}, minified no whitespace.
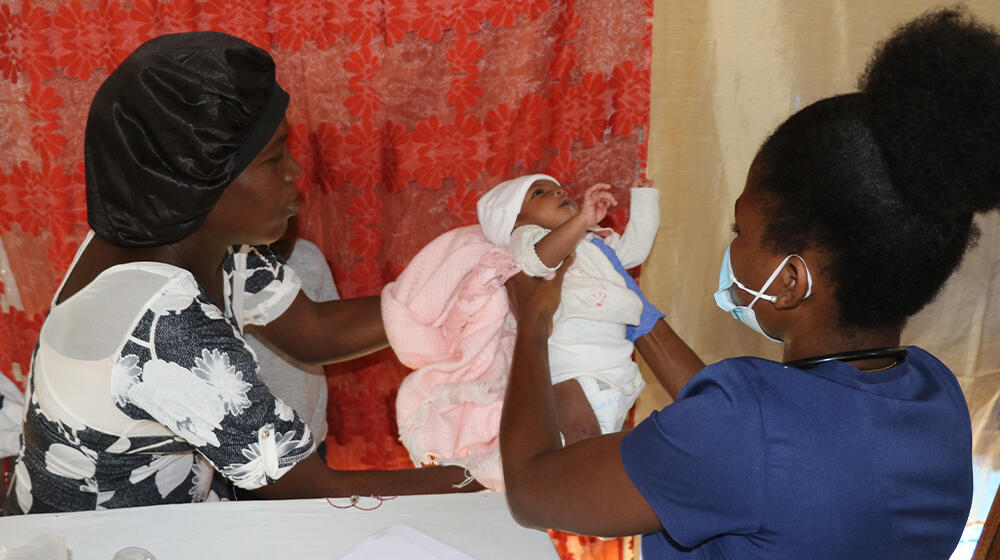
{"x":751,"y":260}
{"x":255,"y":208}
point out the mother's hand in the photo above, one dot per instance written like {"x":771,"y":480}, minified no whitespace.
{"x":535,"y":300}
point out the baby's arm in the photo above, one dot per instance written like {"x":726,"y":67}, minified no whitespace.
{"x":633,"y":246}
{"x":560,"y":242}
{"x":574,"y":414}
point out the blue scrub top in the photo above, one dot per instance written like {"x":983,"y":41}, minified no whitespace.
{"x":756,"y":459}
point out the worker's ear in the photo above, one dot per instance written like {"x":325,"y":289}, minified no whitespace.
{"x":793,"y":283}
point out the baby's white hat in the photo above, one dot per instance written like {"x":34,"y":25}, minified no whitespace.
{"x":498,"y":208}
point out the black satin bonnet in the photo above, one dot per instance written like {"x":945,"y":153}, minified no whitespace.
{"x":170,"y":128}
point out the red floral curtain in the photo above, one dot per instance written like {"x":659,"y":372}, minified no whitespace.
{"x":403,"y":112}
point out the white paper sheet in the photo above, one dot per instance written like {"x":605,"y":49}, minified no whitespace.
{"x":401,"y":541}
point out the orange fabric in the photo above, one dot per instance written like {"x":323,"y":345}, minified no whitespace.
{"x":403,"y":112}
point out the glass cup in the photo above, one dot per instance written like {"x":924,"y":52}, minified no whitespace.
{"x":133,"y":553}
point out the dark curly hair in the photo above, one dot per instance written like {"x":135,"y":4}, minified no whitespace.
{"x":885,"y":182}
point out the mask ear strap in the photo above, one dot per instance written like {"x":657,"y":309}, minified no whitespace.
{"x":761,"y":295}
{"x":757,"y":295}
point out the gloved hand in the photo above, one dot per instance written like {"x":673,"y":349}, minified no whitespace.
{"x":650,"y":314}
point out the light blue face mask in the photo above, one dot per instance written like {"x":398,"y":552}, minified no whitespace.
{"x":745,"y":313}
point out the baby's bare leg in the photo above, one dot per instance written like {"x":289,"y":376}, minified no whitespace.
{"x":575,"y":416}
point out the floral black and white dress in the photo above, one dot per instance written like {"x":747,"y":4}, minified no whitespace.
{"x":142,"y":391}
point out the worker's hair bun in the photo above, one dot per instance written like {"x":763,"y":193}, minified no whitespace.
{"x":935,"y":89}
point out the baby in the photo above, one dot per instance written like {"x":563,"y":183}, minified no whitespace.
{"x":590,"y":349}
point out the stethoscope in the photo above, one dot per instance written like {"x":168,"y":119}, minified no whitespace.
{"x":898,"y":354}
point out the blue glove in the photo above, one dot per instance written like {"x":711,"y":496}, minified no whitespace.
{"x":650,"y":314}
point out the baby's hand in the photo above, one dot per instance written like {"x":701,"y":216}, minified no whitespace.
{"x":597,"y":200}
{"x":642,"y":182}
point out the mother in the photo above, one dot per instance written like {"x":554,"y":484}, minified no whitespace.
{"x":142,"y":388}
{"x":855,"y":211}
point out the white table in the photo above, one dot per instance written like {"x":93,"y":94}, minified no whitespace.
{"x":478,"y":525}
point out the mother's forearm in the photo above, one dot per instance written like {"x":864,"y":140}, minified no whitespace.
{"x":311,"y":478}
{"x":353,"y":328}
{"x":331,"y":331}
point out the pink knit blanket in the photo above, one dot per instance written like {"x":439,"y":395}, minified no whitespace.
{"x":447,"y":318}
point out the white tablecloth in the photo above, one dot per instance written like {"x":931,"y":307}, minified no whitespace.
{"x":478,"y":525}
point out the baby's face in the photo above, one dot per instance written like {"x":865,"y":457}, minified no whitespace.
{"x":546,"y":204}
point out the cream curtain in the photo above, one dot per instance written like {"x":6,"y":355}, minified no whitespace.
{"x":727,"y":72}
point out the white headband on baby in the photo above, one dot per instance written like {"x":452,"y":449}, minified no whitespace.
{"x":499,"y":207}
